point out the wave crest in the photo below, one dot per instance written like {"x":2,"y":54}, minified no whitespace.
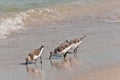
{"x":19,"y":20}
{"x":51,"y":14}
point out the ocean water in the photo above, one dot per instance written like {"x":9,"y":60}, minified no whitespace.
{"x":18,"y":14}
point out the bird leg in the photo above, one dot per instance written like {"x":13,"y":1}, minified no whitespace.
{"x":64,"y":55}
{"x":50,"y":55}
{"x":35,"y":61}
{"x":40,"y":59}
{"x":26,"y":62}
{"x":75,"y":50}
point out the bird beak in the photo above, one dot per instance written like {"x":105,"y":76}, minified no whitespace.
{"x":26,"y":63}
{"x":50,"y":55}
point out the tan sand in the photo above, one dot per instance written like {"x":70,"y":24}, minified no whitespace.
{"x":107,"y":73}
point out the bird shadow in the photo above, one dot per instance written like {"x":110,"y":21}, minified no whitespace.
{"x":27,"y":63}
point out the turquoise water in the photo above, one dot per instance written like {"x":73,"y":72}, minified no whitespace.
{"x":11,"y":5}
{"x":16,"y":5}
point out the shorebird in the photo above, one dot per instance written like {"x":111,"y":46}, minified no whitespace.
{"x":34,"y":55}
{"x":75,"y":43}
{"x":63,"y":43}
{"x":63,"y":48}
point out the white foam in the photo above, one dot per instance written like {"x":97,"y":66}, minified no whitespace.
{"x":17,"y":21}
{"x":11,"y":24}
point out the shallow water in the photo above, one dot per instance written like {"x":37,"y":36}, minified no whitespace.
{"x":99,"y":49}
{"x":97,"y":55}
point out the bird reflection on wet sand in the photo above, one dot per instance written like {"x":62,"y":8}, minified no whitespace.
{"x":35,"y":70}
{"x":65,"y":63}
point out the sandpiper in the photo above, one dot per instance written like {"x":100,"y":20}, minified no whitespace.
{"x":63,"y":43}
{"x":63,"y":48}
{"x":75,"y":43}
{"x":34,"y":55}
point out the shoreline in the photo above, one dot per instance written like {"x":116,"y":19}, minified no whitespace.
{"x":96,"y":55}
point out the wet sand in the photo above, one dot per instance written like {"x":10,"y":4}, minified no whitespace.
{"x":106,"y":73}
{"x":96,"y":55}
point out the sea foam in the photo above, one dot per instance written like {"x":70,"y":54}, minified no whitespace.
{"x":11,"y":24}
{"x":18,"y":20}
{"x":52,"y":14}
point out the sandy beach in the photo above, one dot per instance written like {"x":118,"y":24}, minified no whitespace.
{"x":98,"y":56}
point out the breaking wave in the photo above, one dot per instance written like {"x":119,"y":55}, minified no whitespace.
{"x":19,"y":20}
{"x":10,"y":24}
